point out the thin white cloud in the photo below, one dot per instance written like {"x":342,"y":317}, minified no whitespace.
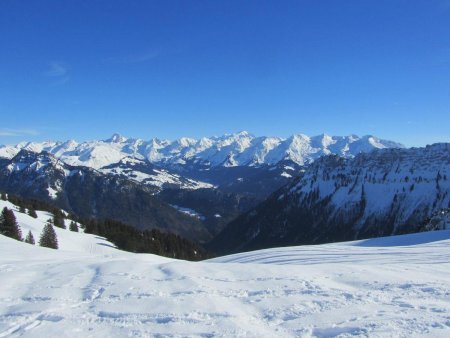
{"x":58,"y":72}
{"x":11,"y":132}
{"x":134,"y":58}
{"x":57,"y":69}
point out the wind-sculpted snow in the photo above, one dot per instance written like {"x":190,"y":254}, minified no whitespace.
{"x":344,"y":289}
{"x":241,"y":149}
{"x":383,"y":249}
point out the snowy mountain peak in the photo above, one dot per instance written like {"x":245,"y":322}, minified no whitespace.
{"x":186,"y":141}
{"x":116,"y":138}
{"x":29,"y":158}
{"x":243,"y":133}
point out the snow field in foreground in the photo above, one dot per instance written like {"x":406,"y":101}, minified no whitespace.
{"x":393,"y":287}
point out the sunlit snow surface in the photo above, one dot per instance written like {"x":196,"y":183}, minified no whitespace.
{"x":393,"y":287}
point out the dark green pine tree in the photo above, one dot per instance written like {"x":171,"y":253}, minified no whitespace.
{"x":48,"y":237}
{"x":32,"y":212}
{"x":29,"y":239}
{"x":22,"y":209}
{"x":3,"y":196}
{"x":73,"y":226}
{"x":8,"y":225}
{"x":58,"y":220}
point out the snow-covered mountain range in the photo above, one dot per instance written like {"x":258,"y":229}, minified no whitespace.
{"x":240,"y":149}
{"x":385,"y":192}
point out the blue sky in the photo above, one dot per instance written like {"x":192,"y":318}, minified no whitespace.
{"x":85,"y":69}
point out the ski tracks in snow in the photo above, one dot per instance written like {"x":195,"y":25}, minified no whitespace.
{"x":55,"y":296}
{"x":138,"y":296}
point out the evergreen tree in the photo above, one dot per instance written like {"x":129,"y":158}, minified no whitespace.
{"x":32,"y":212}
{"x":8,"y":225}
{"x":73,"y":226}
{"x":48,"y":237}
{"x":29,"y":239}
{"x":22,"y":209}
{"x":58,"y":220}
{"x":3,"y":196}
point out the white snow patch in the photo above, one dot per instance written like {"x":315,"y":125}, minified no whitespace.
{"x":188,"y":211}
{"x":52,"y":193}
{"x":285,"y":174}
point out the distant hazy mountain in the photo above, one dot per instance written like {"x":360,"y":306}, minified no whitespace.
{"x":385,"y":192}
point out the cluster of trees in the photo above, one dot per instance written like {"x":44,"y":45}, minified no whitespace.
{"x":439,"y":220}
{"x":124,"y":236}
{"x":128,"y":238}
{"x":29,"y":206}
{"x":48,"y":238}
{"x":10,"y":228}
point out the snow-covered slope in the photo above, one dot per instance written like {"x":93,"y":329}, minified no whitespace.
{"x":352,"y":252}
{"x":146,"y":173}
{"x":370,"y":288}
{"x":67,"y":240}
{"x":407,"y":181}
{"x":229,"y":150}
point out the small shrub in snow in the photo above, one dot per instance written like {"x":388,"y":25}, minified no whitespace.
{"x":30,"y":239}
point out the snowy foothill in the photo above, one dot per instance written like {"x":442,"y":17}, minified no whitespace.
{"x":387,"y":287}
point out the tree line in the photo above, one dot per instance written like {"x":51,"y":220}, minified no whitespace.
{"x":128,"y":238}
